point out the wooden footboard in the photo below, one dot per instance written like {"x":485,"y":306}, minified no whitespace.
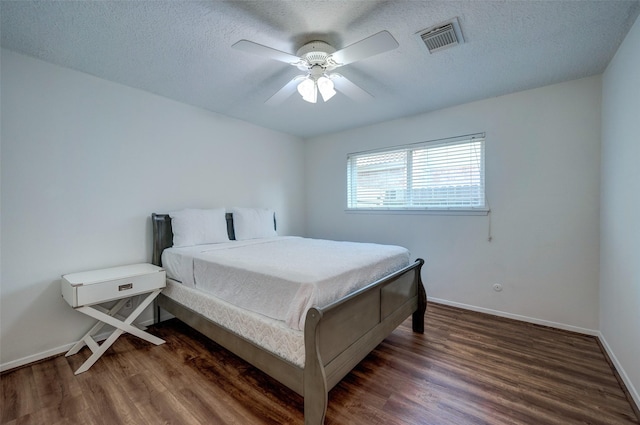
{"x":340,"y":335}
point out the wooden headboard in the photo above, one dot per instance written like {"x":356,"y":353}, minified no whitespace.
{"x":163,"y":234}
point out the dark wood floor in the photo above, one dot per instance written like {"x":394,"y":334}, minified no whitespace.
{"x":468,"y":368}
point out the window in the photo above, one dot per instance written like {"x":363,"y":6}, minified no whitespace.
{"x":443,"y":175}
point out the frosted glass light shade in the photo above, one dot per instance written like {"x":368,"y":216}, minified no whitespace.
{"x":308,"y":91}
{"x":325,"y":85}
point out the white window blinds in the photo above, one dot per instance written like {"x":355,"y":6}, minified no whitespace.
{"x":439,"y":175}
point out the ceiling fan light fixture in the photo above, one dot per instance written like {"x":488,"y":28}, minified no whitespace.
{"x":308,"y":90}
{"x":318,"y":59}
{"x":325,"y":85}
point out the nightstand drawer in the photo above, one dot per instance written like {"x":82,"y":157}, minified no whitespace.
{"x":100,"y":286}
{"x":115,"y":289}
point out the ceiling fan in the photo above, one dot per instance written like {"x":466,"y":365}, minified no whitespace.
{"x":317,"y":59}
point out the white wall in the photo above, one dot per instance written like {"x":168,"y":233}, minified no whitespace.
{"x":620,"y":203}
{"x":84,"y":164}
{"x":542,"y":174}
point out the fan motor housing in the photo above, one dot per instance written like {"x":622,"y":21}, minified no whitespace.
{"x":315,"y":52}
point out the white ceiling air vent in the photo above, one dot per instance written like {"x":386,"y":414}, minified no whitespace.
{"x":441,"y":36}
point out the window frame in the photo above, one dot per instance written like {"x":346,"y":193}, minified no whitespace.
{"x":410,"y":148}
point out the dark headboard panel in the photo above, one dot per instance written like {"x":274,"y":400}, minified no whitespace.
{"x":163,"y":234}
{"x":230,"y":231}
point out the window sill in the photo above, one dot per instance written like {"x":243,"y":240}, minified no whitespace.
{"x":433,"y":211}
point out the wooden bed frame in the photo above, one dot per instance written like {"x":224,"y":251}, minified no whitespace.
{"x":336,"y":337}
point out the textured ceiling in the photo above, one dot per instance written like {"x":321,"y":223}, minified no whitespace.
{"x":182,"y":50}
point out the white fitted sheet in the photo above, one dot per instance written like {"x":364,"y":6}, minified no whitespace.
{"x":282,"y":277}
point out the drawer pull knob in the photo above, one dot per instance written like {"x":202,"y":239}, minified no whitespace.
{"x":125,"y":287}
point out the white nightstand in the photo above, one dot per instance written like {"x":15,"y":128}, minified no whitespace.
{"x":84,"y":291}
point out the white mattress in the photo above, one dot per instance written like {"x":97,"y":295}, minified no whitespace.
{"x":273,"y":335}
{"x":282,"y":277}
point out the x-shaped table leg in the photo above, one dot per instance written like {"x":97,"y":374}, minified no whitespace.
{"x":106,"y":317}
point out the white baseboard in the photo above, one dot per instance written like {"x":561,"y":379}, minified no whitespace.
{"x":35,"y":357}
{"x":625,"y":378}
{"x":56,"y":351}
{"x":517,"y":317}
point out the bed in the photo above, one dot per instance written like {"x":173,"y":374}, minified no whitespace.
{"x":324,"y":348}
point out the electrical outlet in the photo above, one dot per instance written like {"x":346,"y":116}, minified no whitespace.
{"x":128,"y":305}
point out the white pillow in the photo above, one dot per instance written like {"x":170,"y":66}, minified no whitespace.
{"x":198,"y":227}
{"x":253,"y":223}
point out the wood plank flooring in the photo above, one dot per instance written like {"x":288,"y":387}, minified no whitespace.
{"x":468,"y":368}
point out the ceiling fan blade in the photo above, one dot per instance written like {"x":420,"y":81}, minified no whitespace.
{"x":264,"y":51}
{"x":286,"y":91}
{"x":345,"y":86}
{"x":370,"y":46}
